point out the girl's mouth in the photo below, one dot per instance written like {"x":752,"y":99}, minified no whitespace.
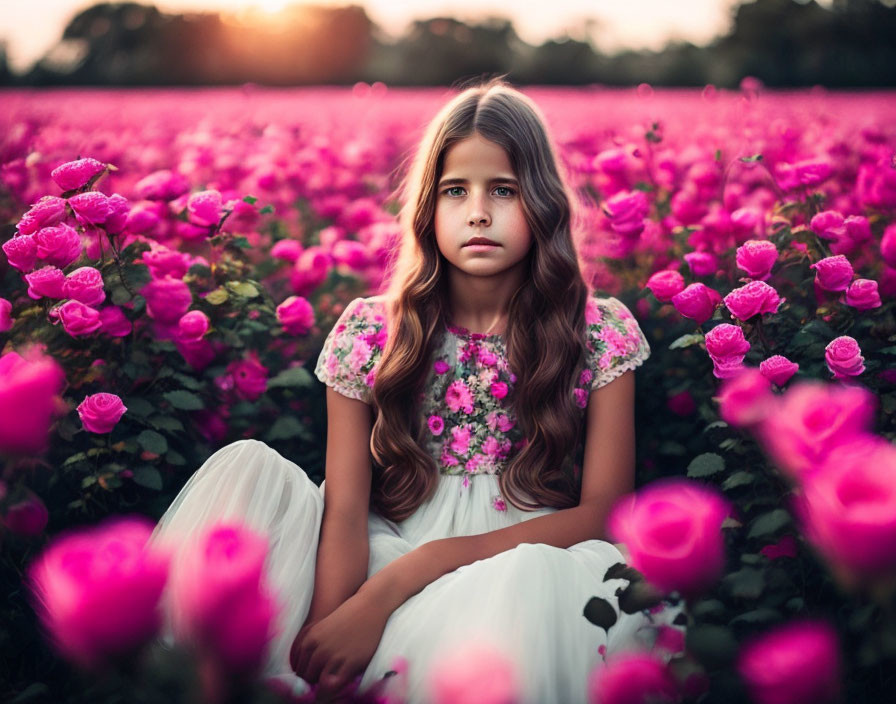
{"x":473,"y":241}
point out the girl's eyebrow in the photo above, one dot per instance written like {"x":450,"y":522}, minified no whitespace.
{"x":461,"y":181}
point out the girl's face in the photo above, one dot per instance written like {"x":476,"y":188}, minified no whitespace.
{"x":481,"y":228}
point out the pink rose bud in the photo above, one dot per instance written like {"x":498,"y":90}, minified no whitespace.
{"x":287,"y":249}
{"x":49,"y":210}
{"x":632,"y":678}
{"x":85,"y":285}
{"x":91,"y":208}
{"x":627,"y":211}
{"x":665,"y":284}
{"x":192,"y":326}
{"x":250,"y":377}
{"x":810,"y":420}
{"x":474,"y":673}
{"x":744,"y":400}
{"x":161,"y":185}
{"x":220,"y":598}
{"x":844,"y":357}
{"x":755,"y":298}
{"x":697,"y":302}
{"x":119,"y":210}
{"x":757,"y":257}
{"x":862,"y":294}
{"x":778,"y":369}
{"x":29,"y":388}
{"x":167,"y":299}
{"x":114,"y":323}
{"x":797,"y":663}
{"x":101,"y":412}
{"x":833,"y":273}
{"x":296,"y":315}
{"x":163,"y":262}
{"x":47,"y":282}
{"x":682,"y":403}
{"x":673,"y":532}
{"x":75,"y":174}
{"x":702,"y":263}
{"x":21,"y":252}
{"x":77,"y":319}
{"x":97,"y":591}
{"x":6,"y":319}
{"x":204,"y":208}
{"x":27,"y":517}
{"x":726,"y":340}
{"x":888,"y":245}
{"x":828,"y":225}
{"x":59,"y":245}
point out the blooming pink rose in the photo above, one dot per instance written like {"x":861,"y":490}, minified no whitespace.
{"x":91,"y":208}
{"x":220,"y":598}
{"x":744,"y":398}
{"x":632,"y":678}
{"x":192,"y":326}
{"x":86,"y":285}
{"x":627,"y":211}
{"x":114,"y":322}
{"x":46,"y":282}
{"x":862,"y":294}
{"x":6,"y":319}
{"x":833,"y":273}
{"x":697,"y":302}
{"x":310,"y":270}
{"x":204,"y":208}
{"x":828,"y":225}
{"x":475,"y":673}
{"x":702,"y":263}
{"x":287,"y":249}
{"x":77,"y":319}
{"x":29,"y":388}
{"x":27,"y":517}
{"x":458,"y":397}
{"x":810,"y":420}
{"x":498,"y":389}
{"x":797,"y":663}
{"x":844,"y":357}
{"x":665,"y":284}
{"x":167,"y":299}
{"x":101,"y":412}
{"x":144,"y":216}
{"x":97,"y":590}
{"x":755,"y":298}
{"x":197,"y":353}
{"x":803,"y":174}
{"x":351,"y":254}
{"x":21,"y":252}
{"x":119,"y":210}
{"x":888,"y":245}
{"x":75,"y":174}
{"x":161,"y":185}
{"x":757,"y":257}
{"x":59,"y":245}
{"x":726,"y":340}
{"x":673,"y":532}
{"x":778,"y":369}
{"x":296,"y":315}
{"x":163,"y":262}
{"x":49,"y":210}
{"x":250,"y":377}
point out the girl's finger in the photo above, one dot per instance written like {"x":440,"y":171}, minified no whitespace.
{"x":316,"y":666}
{"x":303,"y":657}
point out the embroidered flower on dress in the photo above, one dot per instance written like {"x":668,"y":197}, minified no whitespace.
{"x":440,"y":366}
{"x":458,"y":397}
{"x":436,"y":425}
{"x":499,"y":504}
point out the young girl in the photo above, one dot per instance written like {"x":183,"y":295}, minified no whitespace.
{"x":480,"y":427}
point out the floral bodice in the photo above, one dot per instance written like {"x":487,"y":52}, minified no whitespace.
{"x":469,"y":425}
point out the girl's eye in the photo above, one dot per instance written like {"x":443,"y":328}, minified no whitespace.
{"x":453,"y":190}
{"x":504,"y":191}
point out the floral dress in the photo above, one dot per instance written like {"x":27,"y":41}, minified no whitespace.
{"x":526,"y":603}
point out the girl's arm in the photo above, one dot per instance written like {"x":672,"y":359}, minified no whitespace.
{"x":608,"y":472}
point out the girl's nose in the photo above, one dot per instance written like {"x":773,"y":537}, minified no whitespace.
{"x":478,"y":214}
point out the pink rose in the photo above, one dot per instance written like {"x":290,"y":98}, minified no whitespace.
{"x":310,"y":270}
{"x":192,"y":326}
{"x":725,"y":341}
{"x":778,"y":369}
{"x":119,"y":210}
{"x":21,"y":252}
{"x":85,"y":285}
{"x":744,"y":399}
{"x":810,"y":420}
{"x":6,"y":319}
{"x":49,"y":210}
{"x":697,"y":302}
{"x":844,"y":357}
{"x":163,"y":262}
{"x":833,"y":273}
{"x":351,"y":254}
{"x":757,"y":257}
{"x":673,"y":532}
{"x":75,"y":174}
{"x":498,"y":389}
{"x":250,"y":377}
{"x":197,"y":353}
{"x":627,"y":211}
{"x":797,"y":663}
{"x":161,"y":185}
{"x":114,"y":323}
{"x":632,"y":678}
{"x":828,"y":225}
{"x":204,"y":208}
{"x":144,"y":217}
{"x":91,"y":208}
{"x":101,"y":412}
{"x":474,"y":673}
{"x":296,"y":315}
{"x":702,"y":263}
{"x":287,"y":249}
{"x":665,"y":284}
{"x":682,"y":403}
{"x":862,"y":294}
{"x":436,"y":425}
{"x":167,"y":299}
{"x":888,"y":245}
{"x":29,"y":388}
{"x":755,"y":298}
{"x":221,"y":601}
{"x":804,"y":174}
{"x":77,"y":319}
{"x":27,"y":517}
{"x":785,"y":547}
{"x":458,"y":397}
{"x":59,"y":245}
{"x":46,"y":282}
{"x":97,"y":590}
{"x":440,"y":366}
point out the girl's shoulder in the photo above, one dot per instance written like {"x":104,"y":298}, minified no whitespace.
{"x":614,"y":341}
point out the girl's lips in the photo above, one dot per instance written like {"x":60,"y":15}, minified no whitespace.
{"x":480,"y":240}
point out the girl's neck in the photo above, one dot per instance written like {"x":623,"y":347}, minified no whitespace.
{"x":480,"y":305}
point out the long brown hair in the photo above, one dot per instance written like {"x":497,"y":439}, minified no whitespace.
{"x":544,"y":335}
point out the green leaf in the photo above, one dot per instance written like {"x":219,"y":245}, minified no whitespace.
{"x":241,"y":242}
{"x":887,"y":350}
{"x":154,"y":442}
{"x":175,"y":458}
{"x":714,"y":425}
{"x":137,"y":406}
{"x":199,"y":270}
{"x":188,"y":382}
{"x":166,"y":423}
{"x":74,"y":459}
{"x":769,"y":523}
{"x":741,"y":478}
{"x":718,"y":155}
{"x":708,"y":609}
{"x":217,"y":297}
{"x":292,"y":377}
{"x":266,"y":210}
{"x":760,"y":615}
{"x":686,"y":341}
{"x":705,"y":465}
{"x":600,"y":612}
{"x":120,"y":295}
{"x":184,"y":400}
{"x":714,"y":646}
{"x":88,"y":481}
{"x":745,"y":583}
{"x":284,"y":428}
{"x":149,"y":477}
{"x":251,"y":200}
{"x":242,"y":288}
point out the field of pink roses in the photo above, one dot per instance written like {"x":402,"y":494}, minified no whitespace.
{"x":173,"y":259}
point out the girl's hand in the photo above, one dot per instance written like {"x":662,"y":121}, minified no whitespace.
{"x":334,"y":651}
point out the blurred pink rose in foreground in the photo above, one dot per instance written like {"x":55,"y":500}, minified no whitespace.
{"x":632,"y":678}
{"x":665,"y":284}
{"x":697,"y":302}
{"x":29,"y":388}
{"x":101,"y":412}
{"x":97,"y":590}
{"x":75,"y":174}
{"x":476,"y":674}
{"x":844,"y":357}
{"x":673,"y":533}
{"x":744,"y":399}
{"x":296,"y":315}
{"x":798,"y":663}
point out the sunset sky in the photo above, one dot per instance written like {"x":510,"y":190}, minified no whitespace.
{"x":31,"y":27}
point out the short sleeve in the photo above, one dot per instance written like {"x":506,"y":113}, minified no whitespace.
{"x":615,"y":343}
{"x":352,"y":350}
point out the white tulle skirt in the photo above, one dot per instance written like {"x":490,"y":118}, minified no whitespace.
{"x":526,"y":603}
